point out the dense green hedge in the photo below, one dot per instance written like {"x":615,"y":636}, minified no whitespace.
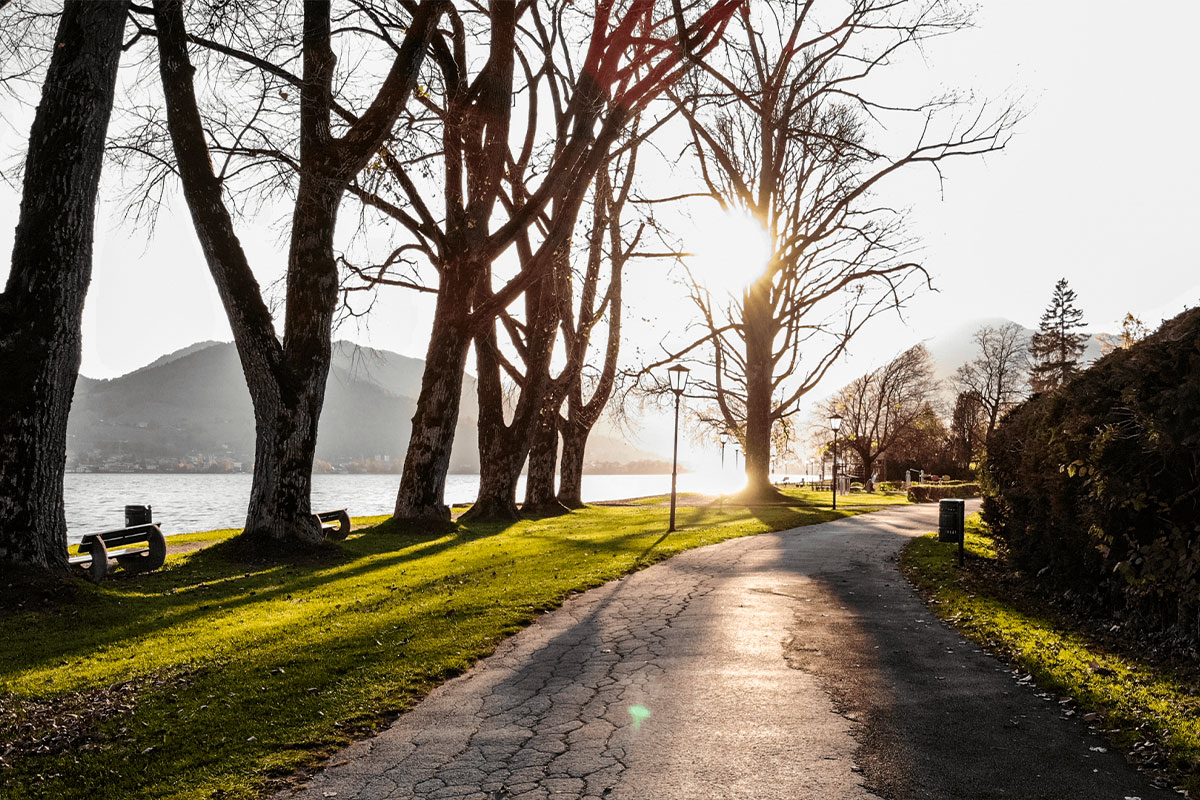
{"x":927,"y":493}
{"x":1096,"y":486}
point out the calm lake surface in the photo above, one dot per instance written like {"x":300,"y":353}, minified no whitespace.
{"x":187,"y":503}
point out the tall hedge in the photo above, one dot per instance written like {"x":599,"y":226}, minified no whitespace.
{"x":1096,"y":486}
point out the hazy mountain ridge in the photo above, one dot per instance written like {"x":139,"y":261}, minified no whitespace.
{"x":190,"y":410}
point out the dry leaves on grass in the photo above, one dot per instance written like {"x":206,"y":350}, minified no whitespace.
{"x":71,"y":721}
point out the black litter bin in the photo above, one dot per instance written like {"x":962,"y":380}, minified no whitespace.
{"x":951,"y":516}
{"x":138,"y":515}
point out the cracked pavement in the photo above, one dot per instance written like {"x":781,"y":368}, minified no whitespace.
{"x":795,"y":664}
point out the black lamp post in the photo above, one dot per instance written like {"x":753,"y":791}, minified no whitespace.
{"x":679,"y":378}
{"x":835,"y":422}
{"x":724,"y":441}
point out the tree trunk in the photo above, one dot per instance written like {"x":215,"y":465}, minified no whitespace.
{"x":423,"y":481}
{"x":497,"y":498}
{"x":570,"y":479}
{"x":42,"y":304}
{"x":288,"y":400}
{"x":868,"y":469}
{"x":759,"y":372}
{"x":540,"y":498}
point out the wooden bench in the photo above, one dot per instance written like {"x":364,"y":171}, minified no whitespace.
{"x":139,"y":548}
{"x":336,"y":524}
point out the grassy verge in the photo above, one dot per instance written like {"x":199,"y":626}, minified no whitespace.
{"x":211,"y":679}
{"x":1149,"y":710}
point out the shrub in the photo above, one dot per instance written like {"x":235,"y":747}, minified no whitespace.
{"x":1096,"y":486}
{"x":927,"y":493}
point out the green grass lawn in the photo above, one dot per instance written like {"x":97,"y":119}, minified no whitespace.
{"x":1146,"y":709}
{"x":210,"y":678}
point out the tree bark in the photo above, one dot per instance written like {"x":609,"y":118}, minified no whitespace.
{"x":427,"y":460}
{"x":503,"y":446}
{"x":570,"y":478}
{"x":42,"y":304}
{"x":540,"y":498}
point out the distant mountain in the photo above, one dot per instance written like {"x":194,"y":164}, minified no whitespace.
{"x":191,"y":410}
{"x":178,"y":354}
{"x":953,"y":348}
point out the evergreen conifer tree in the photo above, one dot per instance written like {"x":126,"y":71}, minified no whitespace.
{"x":1055,"y":349}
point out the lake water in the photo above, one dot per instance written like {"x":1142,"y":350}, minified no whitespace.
{"x":187,"y":503}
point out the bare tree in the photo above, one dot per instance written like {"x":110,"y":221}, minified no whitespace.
{"x":42,"y":304}
{"x":633,"y":51}
{"x":782,"y":127}
{"x":997,"y":378}
{"x":582,"y":390}
{"x":286,"y":378}
{"x":883,"y":406}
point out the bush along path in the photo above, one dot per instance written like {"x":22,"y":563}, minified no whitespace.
{"x":214,"y":678}
{"x":1093,"y":486}
{"x":1145,"y":708}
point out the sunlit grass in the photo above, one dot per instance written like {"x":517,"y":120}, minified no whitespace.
{"x":244,"y":673}
{"x":1136,"y":701}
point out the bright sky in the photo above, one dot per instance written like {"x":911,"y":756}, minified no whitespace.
{"x":1099,"y":186}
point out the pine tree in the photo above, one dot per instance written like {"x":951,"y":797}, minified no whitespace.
{"x":1055,"y":349}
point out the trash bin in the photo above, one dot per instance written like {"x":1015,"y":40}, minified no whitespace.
{"x":138,"y":515}
{"x":951,"y":516}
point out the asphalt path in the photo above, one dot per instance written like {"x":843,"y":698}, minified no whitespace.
{"x":797,"y":664}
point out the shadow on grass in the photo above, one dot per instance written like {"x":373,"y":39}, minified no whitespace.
{"x":209,"y":580}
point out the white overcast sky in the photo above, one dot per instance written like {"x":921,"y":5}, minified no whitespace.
{"x":1098,"y":186}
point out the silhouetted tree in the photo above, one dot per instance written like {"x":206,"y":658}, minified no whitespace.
{"x":286,"y":377}
{"x":996,"y":377}
{"x":584,"y":390}
{"x":42,"y":304}
{"x":968,"y":430}
{"x":1056,"y":347}
{"x":633,"y":51}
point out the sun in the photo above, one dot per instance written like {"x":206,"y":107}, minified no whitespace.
{"x":730,"y":249}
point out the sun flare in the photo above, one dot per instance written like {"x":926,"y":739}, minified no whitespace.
{"x":730,"y":250}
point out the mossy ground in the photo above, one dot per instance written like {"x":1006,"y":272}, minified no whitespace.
{"x":1148,"y":709}
{"x":212,"y":678}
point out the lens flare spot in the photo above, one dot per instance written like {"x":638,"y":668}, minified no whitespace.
{"x":638,"y":713}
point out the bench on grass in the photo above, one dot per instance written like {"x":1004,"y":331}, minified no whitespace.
{"x":336,"y":524}
{"x":139,"y":548}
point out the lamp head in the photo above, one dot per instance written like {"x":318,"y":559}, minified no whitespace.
{"x":835,"y":422}
{"x":679,"y":378}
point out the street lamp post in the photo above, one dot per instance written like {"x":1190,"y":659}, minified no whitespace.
{"x":724,"y":441}
{"x":679,"y":378}
{"x":835,"y":422}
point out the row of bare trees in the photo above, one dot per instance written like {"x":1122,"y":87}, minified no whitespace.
{"x":256,"y":96}
{"x":490,"y":150}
